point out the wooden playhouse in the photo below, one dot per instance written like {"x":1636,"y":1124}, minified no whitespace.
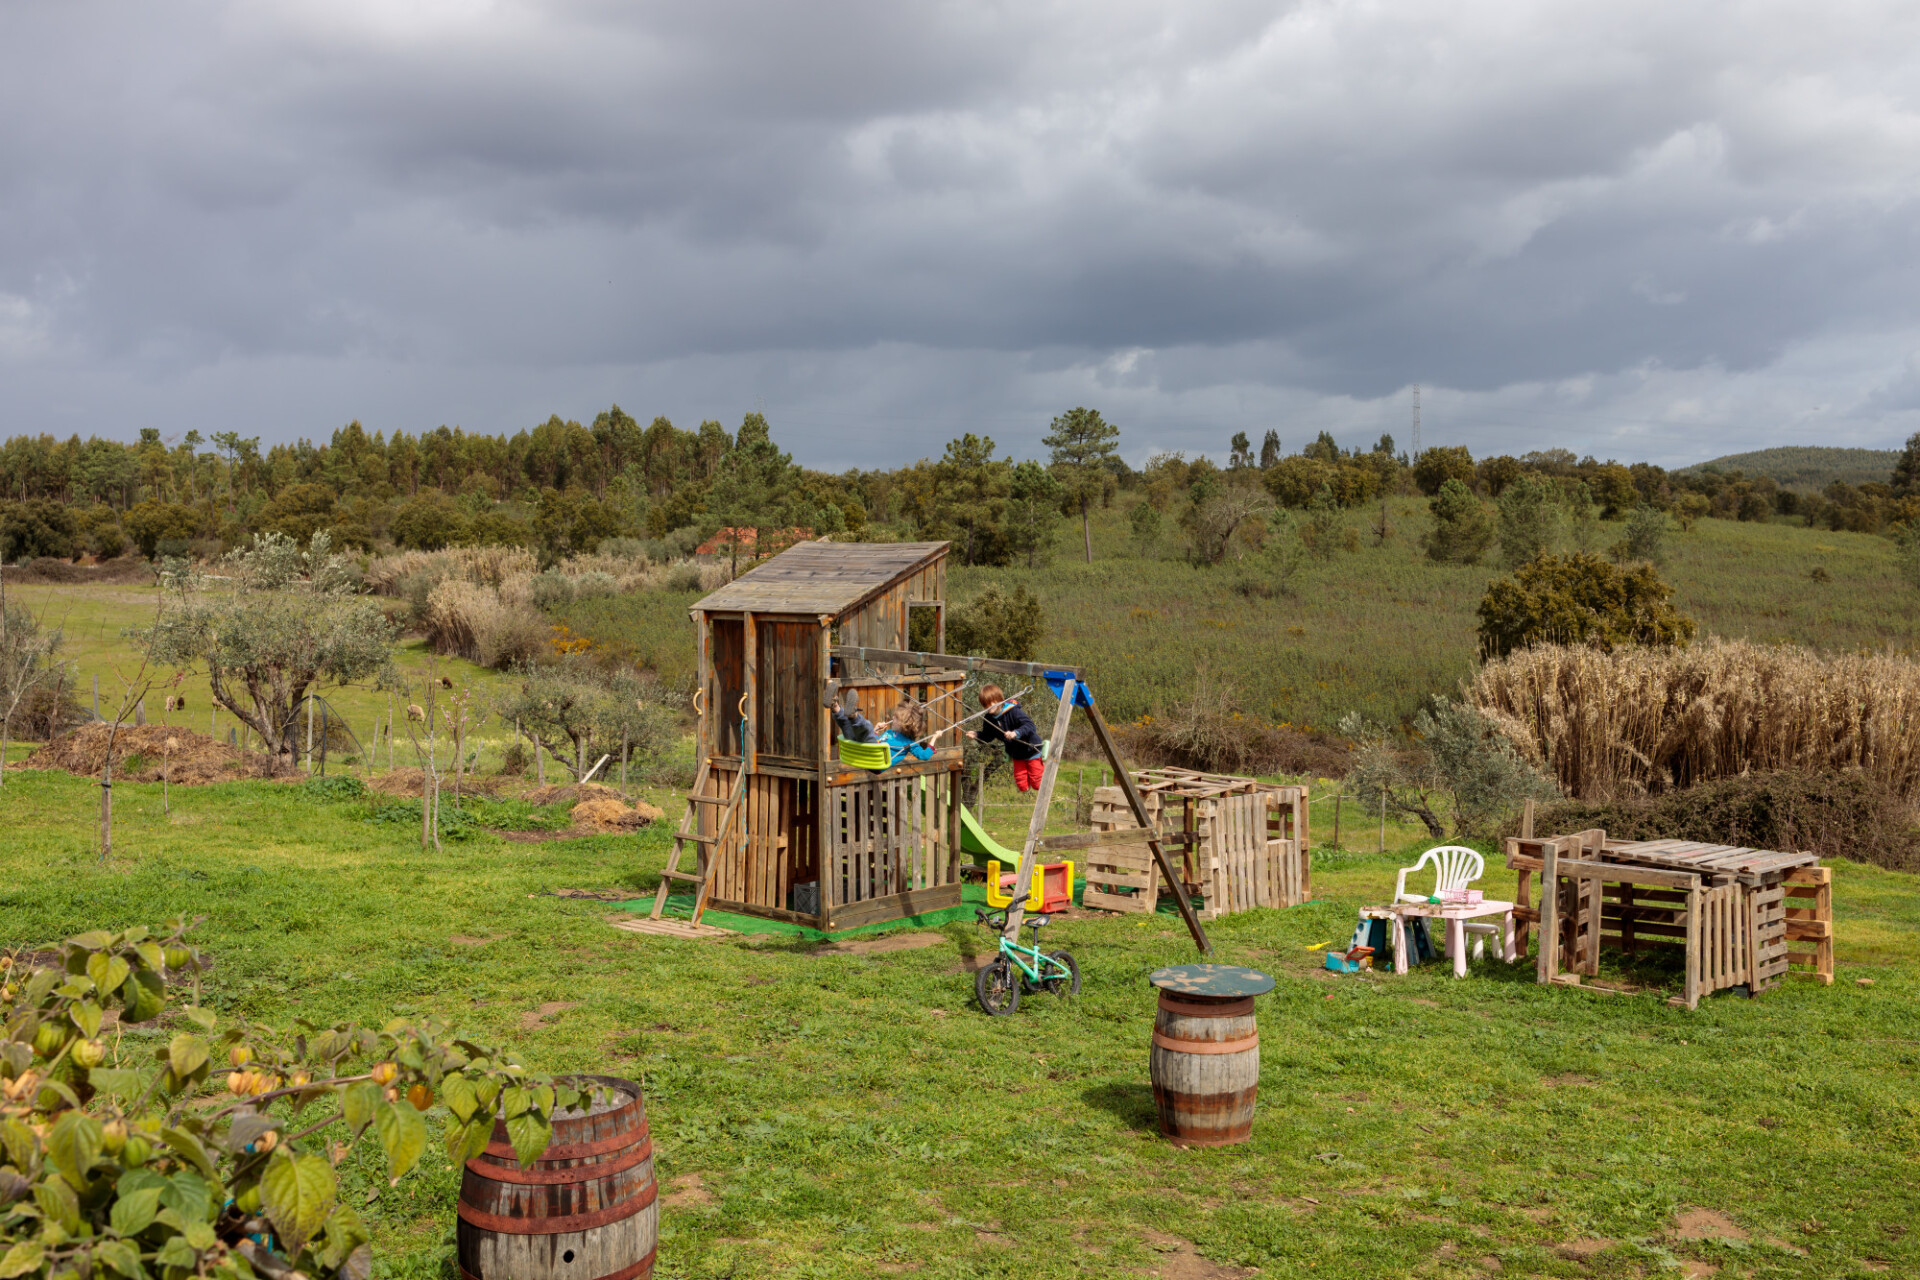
{"x":788,"y":832}
{"x":781,"y":827}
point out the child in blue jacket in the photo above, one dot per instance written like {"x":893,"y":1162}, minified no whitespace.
{"x":902,"y":730}
{"x":1006,"y":725}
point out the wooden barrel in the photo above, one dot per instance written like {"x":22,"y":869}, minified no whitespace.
{"x":586,"y":1209}
{"x":1205,"y":1067}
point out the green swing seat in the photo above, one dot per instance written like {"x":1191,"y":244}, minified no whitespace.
{"x":865,"y":755}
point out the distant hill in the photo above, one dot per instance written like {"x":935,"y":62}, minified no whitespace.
{"x":1809,"y":466}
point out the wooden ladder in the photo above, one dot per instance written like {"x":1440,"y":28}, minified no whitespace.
{"x":689,"y":834}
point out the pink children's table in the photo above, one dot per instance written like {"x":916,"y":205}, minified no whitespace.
{"x":1456,"y":915}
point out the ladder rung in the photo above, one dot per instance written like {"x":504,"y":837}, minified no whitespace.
{"x":709,"y":799}
{"x":697,"y":839}
{"x":681,"y":875}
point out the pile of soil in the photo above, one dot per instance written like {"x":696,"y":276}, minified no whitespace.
{"x":570,"y":795}
{"x":413,"y":782}
{"x":612,"y":815}
{"x":194,"y":759}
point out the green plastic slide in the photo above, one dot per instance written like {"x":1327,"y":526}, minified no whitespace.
{"x":981,"y":845}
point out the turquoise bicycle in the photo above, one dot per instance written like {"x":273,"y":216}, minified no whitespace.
{"x":998,"y":986}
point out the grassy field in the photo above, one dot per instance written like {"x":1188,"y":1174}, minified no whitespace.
{"x":825,"y":1112}
{"x":1373,"y":630}
{"x":94,"y":622}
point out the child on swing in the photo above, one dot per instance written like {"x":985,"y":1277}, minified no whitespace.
{"x":900,"y":730}
{"x":1005,"y":724}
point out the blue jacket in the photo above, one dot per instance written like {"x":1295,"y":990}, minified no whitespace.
{"x":1026,"y":744}
{"x":904,"y":746}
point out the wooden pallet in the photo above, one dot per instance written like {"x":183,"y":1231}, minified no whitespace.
{"x":1808,"y":908}
{"x":666,"y":928}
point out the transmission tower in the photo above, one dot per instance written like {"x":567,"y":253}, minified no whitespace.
{"x":1416,"y":421}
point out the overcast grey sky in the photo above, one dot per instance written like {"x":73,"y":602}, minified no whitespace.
{"x":1642,"y":230}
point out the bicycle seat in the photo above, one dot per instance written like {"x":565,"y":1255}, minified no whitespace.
{"x":1036,"y":921}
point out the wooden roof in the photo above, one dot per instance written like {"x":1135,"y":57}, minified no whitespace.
{"x":822,"y":577}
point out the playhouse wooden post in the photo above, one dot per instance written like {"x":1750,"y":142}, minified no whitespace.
{"x":1037,"y":825}
{"x":1139,"y":807}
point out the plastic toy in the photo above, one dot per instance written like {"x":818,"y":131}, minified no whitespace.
{"x":1052,"y":888}
{"x":1353,"y":960}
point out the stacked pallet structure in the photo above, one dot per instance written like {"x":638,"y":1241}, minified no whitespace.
{"x":1732,"y":914}
{"x":1245,"y":843}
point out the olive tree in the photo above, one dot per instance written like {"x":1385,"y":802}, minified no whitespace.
{"x":587,"y":711}
{"x":289,"y":626}
{"x":26,"y":661}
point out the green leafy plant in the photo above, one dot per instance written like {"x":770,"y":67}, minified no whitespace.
{"x":1462,"y":531}
{"x":202,"y":1157}
{"x":1580,"y":599}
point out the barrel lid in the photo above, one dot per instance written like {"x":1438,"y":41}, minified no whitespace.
{"x":1222,"y":981}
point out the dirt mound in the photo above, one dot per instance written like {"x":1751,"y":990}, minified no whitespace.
{"x":140,"y":754}
{"x":612,"y":815}
{"x":570,"y":795}
{"x":413,"y":782}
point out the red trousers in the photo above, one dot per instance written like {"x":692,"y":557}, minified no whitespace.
{"x":1026,"y":773}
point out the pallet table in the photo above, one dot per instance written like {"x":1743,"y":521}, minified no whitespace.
{"x":1723,"y":906}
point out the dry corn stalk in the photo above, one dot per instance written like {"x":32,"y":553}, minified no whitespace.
{"x":1638,"y":721}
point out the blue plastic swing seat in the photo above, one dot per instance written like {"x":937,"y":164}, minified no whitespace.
{"x":876,"y":756}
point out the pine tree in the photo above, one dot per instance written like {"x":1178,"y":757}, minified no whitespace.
{"x":1083,"y":445}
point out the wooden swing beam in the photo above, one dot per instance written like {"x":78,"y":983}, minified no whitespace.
{"x":1056,"y":744}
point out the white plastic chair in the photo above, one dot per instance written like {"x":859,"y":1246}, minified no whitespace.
{"x":1454,"y":867}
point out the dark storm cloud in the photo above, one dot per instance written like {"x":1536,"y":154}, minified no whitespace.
{"x":1647,"y":229}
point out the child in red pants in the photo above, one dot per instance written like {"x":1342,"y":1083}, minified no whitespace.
{"x":1008,"y":726}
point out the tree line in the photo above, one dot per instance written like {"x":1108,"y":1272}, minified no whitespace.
{"x":562,"y":488}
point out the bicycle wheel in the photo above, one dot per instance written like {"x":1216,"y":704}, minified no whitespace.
{"x":997,"y":987}
{"x":1067,"y":986}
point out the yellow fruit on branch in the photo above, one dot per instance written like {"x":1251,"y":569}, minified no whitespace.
{"x":420,"y":1096}
{"x":240,"y":1055}
{"x":384,"y":1073}
{"x":89,"y":1053}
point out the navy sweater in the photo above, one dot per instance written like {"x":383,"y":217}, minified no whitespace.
{"x":1026,"y":743}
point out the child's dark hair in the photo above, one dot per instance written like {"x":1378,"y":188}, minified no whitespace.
{"x":990,"y":694}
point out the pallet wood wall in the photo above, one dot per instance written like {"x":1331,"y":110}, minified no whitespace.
{"x":787,"y":694}
{"x":885,"y":837}
{"x":1244,"y":852}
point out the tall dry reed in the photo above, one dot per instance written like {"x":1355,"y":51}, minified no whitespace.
{"x":1643,"y":721}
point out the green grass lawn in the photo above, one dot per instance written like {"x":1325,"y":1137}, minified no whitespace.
{"x":824,"y":1113}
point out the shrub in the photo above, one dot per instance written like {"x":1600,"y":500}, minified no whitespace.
{"x":1836,"y":813}
{"x":1211,"y":730}
{"x":1645,"y":721}
{"x":1461,"y":530}
{"x":997,"y":624}
{"x":1579,"y":599}
{"x":1530,"y":519}
{"x":1646,"y":536}
{"x":1434,"y":467}
{"x":1457,"y":759}
{"x":483,"y":626}
{"x":195,"y":1164}
{"x":35,"y":527}
{"x":551,"y":589}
